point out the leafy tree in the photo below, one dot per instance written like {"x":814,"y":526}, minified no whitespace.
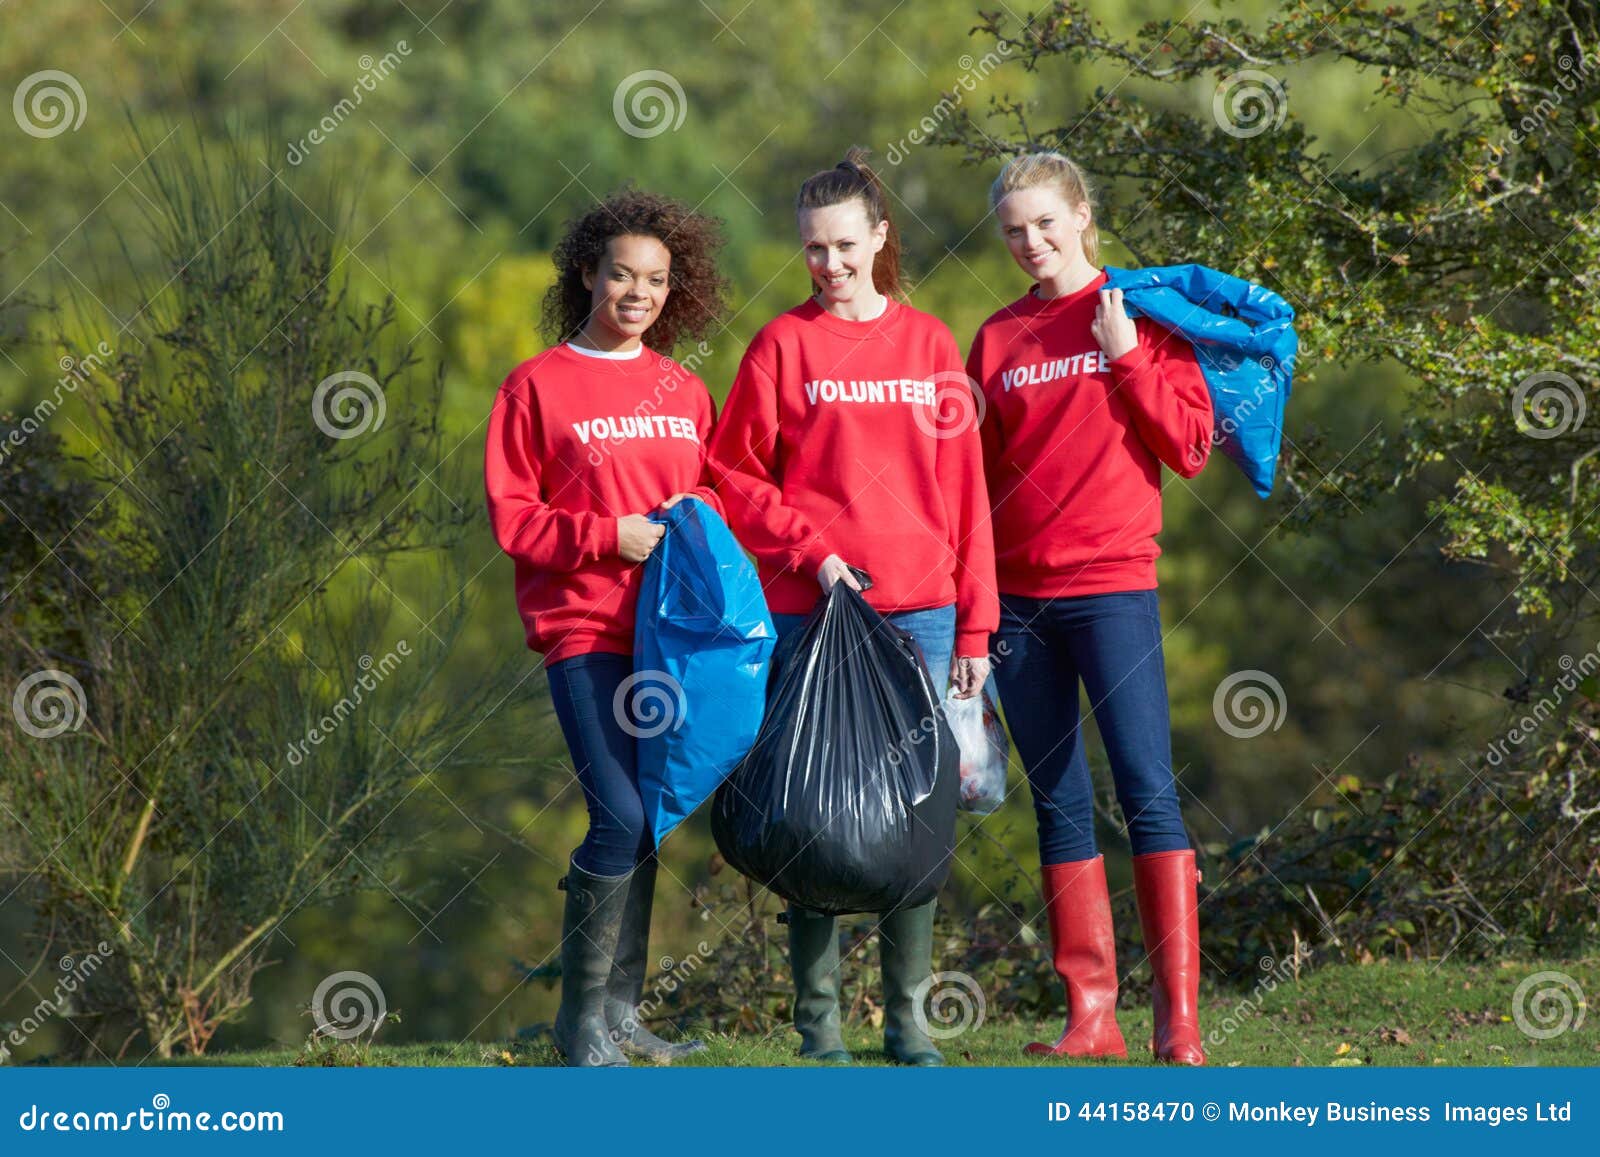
{"x":1468,"y":259}
{"x":219,"y":698}
{"x":1465,"y":259}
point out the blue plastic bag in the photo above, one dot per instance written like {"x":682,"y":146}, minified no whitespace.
{"x":701,"y":644}
{"x":1243,"y":336}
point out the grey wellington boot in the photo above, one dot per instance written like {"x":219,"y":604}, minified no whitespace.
{"x":628,"y":966}
{"x":814,"y":957}
{"x":589,"y":929}
{"x":905,"y":937}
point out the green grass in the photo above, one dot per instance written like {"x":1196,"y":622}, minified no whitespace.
{"x":1381,"y":1014}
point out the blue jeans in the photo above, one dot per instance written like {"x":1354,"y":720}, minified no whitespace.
{"x":933,"y":630}
{"x":605,"y":756}
{"x":1112,"y":643}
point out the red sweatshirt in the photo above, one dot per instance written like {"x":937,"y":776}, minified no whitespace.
{"x":575,"y":442}
{"x":1074,"y":442}
{"x":858,"y":438}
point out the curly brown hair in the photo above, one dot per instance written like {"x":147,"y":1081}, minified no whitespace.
{"x":699,"y":292}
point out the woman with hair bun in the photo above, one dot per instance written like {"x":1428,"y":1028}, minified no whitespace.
{"x":850,"y":438}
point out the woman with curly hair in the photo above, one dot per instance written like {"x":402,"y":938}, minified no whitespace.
{"x":849,"y":437}
{"x":585,"y":439}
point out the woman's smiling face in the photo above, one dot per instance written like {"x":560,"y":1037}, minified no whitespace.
{"x":629,"y":286}
{"x":840,"y":245}
{"x":1042,"y":230}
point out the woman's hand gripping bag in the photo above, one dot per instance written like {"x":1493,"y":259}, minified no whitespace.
{"x":702,"y":643}
{"x":985,"y":750}
{"x":847,"y":801}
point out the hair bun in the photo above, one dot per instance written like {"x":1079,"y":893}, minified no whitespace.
{"x":851,"y":180}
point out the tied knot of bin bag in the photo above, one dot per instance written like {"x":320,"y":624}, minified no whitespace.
{"x":847,"y":800}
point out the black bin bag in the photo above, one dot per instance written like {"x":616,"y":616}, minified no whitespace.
{"x":847,"y":800}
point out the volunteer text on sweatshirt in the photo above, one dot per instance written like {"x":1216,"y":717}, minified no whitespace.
{"x":575,"y":442}
{"x":859,"y":438}
{"x":1074,"y":443}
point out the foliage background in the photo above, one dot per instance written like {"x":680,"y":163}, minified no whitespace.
{"x":458,"y":171}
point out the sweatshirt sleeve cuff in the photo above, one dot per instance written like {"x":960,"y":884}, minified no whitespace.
{"x":813,"y":556}
{"x":606,"y":536}
{"x":972,"y":644}
{"x":1133,"y":366}
{"x":710,"y":497}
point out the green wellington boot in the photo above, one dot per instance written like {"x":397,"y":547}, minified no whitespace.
{"x":905,"y":937}
{"x":589,"y":929}
{"x":814,"y":957}
{"x":626,"y":986}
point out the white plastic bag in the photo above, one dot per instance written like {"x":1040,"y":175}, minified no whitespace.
{"x":985,"y":751}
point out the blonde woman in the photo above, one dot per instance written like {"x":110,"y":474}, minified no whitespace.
{"x":1084,"y":407}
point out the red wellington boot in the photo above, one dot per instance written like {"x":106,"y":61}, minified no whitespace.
{"x":1085,"y":956}
{"x":1169,"y":914}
